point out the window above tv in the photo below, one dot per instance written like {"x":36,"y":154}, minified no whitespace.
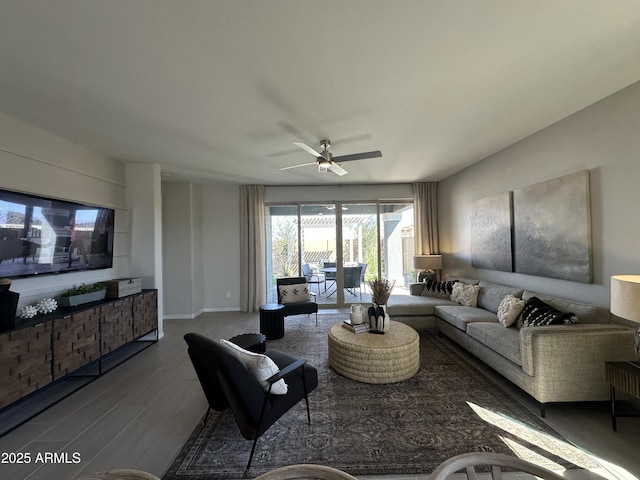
{"x":42,"y":236}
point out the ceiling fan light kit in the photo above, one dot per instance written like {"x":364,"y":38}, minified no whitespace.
{"x":325,"y":161}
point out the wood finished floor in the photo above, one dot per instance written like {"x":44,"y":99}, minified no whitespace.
{"x":140,"y":414}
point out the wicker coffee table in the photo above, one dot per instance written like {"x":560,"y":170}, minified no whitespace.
{"x":370,"y":358}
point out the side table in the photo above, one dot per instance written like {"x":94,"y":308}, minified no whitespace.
{"x":624,"y":376}
{"x":272,"y":320}
{"x":254,"y":342}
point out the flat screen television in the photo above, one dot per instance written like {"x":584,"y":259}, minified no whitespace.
{"x":42,"y":236}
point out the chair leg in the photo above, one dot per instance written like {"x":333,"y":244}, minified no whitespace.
{"x":253,"y":449}
{"x":306,"y":396}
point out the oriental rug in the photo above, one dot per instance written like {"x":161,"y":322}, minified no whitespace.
{"x":410,"y":427}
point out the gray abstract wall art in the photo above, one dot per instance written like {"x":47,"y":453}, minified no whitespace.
{"x":491,"y":223}
{"x":552,"y":229}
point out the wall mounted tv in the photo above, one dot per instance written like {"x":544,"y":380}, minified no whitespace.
{"x":41,"y":236}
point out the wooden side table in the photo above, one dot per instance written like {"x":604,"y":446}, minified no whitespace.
{"x":624,"y":376}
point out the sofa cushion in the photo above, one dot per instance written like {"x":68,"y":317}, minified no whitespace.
{"x":433,"y":288}
{"x":509,"y":310}
{"x":464,"y":294}
{"x":505,"y":341}
{"x":586,"y":313}
{"x":460,"y":316}
{"x":537,"y":313}
{"x":491,"y":294}
{"x":412,"y":305}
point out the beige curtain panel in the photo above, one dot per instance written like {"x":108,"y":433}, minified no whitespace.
{"x":252,"y":248}
{"x":425,"y":208}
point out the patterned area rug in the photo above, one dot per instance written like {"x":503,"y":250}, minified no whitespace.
{"x":448,"y":408}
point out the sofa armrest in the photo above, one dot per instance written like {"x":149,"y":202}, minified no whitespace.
{"x":567,"y":362}
{"x":556,"y":346}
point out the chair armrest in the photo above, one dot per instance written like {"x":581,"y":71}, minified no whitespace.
{"x":286,"y":370}
{"x":311,"y":294}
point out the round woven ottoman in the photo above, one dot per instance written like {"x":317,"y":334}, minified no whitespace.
{"x":371,"y":358}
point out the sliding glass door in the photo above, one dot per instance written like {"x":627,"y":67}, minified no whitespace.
{"x":340,"y":247}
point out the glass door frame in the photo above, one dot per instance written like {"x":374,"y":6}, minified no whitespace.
{"x":338,"y":205}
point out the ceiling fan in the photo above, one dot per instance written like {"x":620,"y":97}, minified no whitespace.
{"x":326,"y":161}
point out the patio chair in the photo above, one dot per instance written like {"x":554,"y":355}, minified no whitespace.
{"x":352,"y":280}
{"x":330,"y":276}
{"x":313,"y":277}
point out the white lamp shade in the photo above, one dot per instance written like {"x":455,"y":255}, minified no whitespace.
{"x":625,"y":297}
{"x":427,"y":262}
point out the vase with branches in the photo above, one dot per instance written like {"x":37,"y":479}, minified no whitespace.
{"x":380,"y":293}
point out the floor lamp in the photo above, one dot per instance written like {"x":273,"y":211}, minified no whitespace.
{"x":625,"y":301}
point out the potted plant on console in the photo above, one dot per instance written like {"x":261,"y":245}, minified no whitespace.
{"x":83,"y":293}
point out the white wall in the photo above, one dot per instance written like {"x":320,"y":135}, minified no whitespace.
{"x":35,"y":161}
{"x":144,"y":204}
{"x":221,"y":247}
{"x":182,"y":249}
{"x":604,"y":139}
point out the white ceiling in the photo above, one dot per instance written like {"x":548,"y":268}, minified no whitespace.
{"x":218,"y":90}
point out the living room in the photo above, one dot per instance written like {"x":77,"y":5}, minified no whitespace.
{"x":179,"y":233}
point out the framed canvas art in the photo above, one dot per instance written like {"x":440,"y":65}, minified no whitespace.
{"x":552,"y":228}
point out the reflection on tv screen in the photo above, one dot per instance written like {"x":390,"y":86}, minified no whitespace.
{"x":40,"y":236}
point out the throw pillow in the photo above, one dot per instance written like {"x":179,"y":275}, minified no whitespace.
{"x":536,"y":313}
{"x":261,"y":366}
{"x":465,"y":295}
{"x":509,"y":310}
{"x":298,"y":292}
{"x":433,"y":288}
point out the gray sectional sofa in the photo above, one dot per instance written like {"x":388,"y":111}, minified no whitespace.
{"x":554,"y":363}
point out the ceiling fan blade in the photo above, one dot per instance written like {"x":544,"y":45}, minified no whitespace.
{"x":307,"y":149}
{"x":337,"y":169}
{"x":296,"y":166}
{"x":358,"y":156}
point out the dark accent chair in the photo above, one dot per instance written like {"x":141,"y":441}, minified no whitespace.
{"x":313,"y":277}
{"x":297,"y":308}
{"x":352,"y":280}
{"x":227,"y":383}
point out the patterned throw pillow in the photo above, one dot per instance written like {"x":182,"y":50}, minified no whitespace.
{"x":509,"y":309}
{"x":536,"y":313}
{"x":433,"y":288}
{"x":294,"y":293}
{"x":261,"y":366}
{"x":465,"y":295}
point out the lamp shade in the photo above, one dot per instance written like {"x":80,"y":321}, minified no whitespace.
{"x":427,"y":262}
{"x":625,"y":297}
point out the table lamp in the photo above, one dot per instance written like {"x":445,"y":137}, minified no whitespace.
{"x":625,"y":301}
{"x":426,"y":265}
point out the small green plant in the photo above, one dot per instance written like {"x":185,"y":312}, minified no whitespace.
{"x":83,"y":288}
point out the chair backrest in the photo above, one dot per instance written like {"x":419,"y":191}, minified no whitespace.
{"x":288,"y":281}
{"x":362,"y":272}
{"x":306,"y":270}
{"x":469,"y":461}
{"x":226,"y":382}
{"x":352,"y":277}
